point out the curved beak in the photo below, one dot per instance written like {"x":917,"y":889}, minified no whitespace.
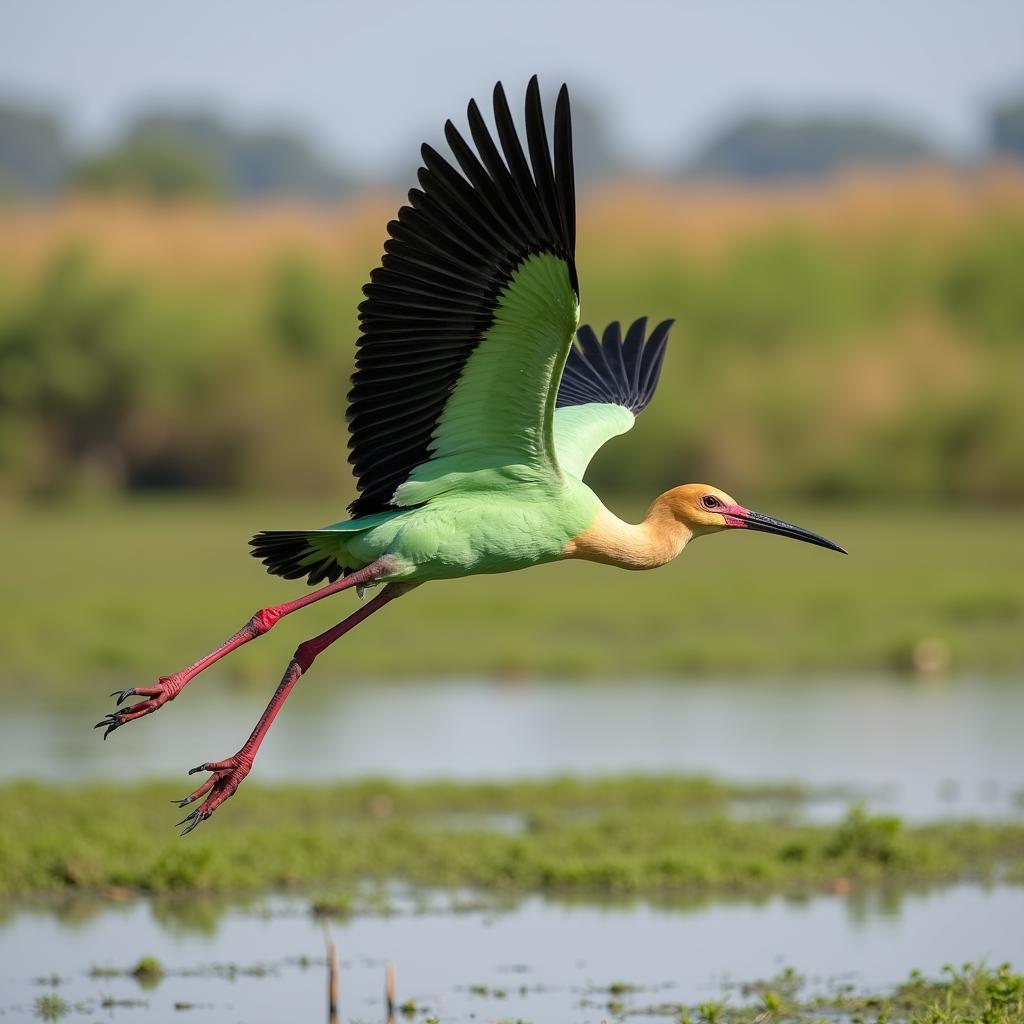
{"x":742,"y":517}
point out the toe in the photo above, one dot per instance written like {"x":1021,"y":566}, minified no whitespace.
{"x":194,"y":820}
{"x":196,"y":794}
{"x":225,"y":779}
{"x":109,"y":724}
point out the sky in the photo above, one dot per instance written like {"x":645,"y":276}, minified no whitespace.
{"x":369,"y":81}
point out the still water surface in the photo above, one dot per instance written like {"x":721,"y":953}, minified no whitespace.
{"x":553,"y":962}
{"x":919,"y":750}
{"x":923,"y":751}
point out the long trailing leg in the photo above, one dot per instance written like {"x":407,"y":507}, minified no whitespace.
{"x":227,"y":775}
{"x":168,"y":687}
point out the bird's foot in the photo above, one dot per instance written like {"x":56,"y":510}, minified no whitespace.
{"x":226,"y":777}
{"x":166,"y":689}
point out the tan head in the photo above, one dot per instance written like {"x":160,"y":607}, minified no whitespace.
{"x":706,"y":509}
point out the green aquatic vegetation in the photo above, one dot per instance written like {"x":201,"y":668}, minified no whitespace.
{"x":972,"y":994}
{"x":868,"y":837}
{"x":623,"y":837}
{"x":620,"y":988}
{"x":51,"y":1007}
{"x":148,"y":970}
{"x":112,"y":1003}
{"x":712,"y":1011}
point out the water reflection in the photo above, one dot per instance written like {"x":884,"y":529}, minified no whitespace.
{"x":920,"y":751}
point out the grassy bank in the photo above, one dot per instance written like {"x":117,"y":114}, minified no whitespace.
{"x":122,"y":594}
{"x":627,"y":836}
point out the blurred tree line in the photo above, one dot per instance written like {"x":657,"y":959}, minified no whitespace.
{"x":172,"y":154}
{"x":880,"y":368}
{"x":165,"y":155}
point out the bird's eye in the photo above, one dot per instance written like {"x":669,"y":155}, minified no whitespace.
{"x":710,"y":501}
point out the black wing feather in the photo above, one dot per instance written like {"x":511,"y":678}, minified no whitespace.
{"x":449,"y":254}
{"x":612,"y":370}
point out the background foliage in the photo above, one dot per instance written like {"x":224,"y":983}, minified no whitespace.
{"x":859,"y":339}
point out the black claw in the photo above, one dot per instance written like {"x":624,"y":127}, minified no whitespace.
{"x":198,"y":768}
{"x":111,"y":722}
{"x":194,"y":820}
{"x":123,"y":695}
{"x":184,"y":801}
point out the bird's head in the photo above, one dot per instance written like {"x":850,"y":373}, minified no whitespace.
{"x":706,"y":509}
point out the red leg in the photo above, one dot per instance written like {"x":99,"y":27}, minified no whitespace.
{"x":228,"y":775}
{"x":168,"y":687}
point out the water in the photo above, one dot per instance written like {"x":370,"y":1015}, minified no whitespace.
{"x":547,"y":958}
{"x":922,"y":751}
{"x":919,"y":750}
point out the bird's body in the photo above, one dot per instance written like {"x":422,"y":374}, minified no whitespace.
{"x":469,"y":532}
{"x":473,"y":415}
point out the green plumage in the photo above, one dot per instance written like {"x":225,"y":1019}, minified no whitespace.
{"x":580,"y":430}
{"x":500,"y":412}
{"x":496,"y":498}
{"x":463,"y":462}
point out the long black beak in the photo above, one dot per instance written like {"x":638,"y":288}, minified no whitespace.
{"x":765,"y":524}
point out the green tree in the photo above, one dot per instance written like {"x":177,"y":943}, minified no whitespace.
{"x":153,"y":167}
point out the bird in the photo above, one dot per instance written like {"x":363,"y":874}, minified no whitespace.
{"x":477,"y":403}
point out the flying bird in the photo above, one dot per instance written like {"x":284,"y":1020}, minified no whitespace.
{"x":475,"y":409}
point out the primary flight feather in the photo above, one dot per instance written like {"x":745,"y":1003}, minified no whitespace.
{"x":476,"y":407}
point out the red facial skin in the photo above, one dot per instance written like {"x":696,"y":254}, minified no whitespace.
{"x":735,"y":515}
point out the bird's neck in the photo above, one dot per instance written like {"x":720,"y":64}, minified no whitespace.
{"x":655,"y":541}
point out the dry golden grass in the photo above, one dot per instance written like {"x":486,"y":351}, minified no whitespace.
{"x":709,"y":219}
{"x":194,"y":242}
{"x":205,"y":242}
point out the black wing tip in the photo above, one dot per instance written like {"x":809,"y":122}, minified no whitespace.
{"x":600,"y":369}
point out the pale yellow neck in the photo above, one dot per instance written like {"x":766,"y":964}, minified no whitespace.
{"x":655,"y":541}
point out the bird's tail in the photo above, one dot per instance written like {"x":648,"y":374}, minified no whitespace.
{"x":292,"y":554}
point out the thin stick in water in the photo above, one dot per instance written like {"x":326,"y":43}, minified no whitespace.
{"x":389,"y":991}
{"x":332,"y":973}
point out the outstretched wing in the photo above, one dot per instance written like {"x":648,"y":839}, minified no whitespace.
{"x":467,"y":322}
{"x":604,"y":385}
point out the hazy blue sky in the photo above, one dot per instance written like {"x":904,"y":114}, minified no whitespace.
{"x":370,"y":80}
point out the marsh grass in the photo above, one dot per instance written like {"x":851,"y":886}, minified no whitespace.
{"x":969,"y":994}
{"x":628,"y":836}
